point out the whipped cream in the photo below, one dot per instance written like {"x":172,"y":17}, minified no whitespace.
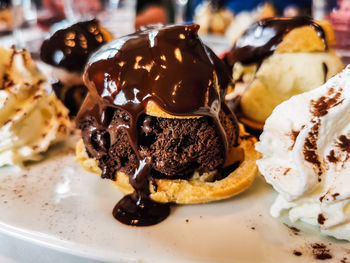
{"x":305,"y":149}
{"x":31,"y":119}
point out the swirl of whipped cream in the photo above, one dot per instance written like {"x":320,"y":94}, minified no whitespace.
{"x":305,"y":149}
{"x":31,"y":119}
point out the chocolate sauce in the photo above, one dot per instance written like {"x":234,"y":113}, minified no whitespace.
{"x":261,"y":38}
{"x":169,"y":66}
{"x":325,"y":71}
{"x":71,"y":47}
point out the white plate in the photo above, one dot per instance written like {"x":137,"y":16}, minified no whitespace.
{"x":57,"y":204}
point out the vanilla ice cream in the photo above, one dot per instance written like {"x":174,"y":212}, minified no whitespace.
{"x":30,"y":118}
{"x":281,"y":76}
{"x":305,"y":149}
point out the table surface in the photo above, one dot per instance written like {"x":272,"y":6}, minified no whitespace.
{"x":13,"y":250}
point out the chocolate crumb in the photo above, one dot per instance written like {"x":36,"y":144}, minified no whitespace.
{"x":252,"y":228}
{"x":344,"y":260}
{"x":187,"y":220}
{"x":297,"y":253}
{"x":320,"y":251}
{"x":321,"y":219}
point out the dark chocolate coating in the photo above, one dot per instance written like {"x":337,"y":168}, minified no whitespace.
{"x":262,"y":38}
{"x":71,"y":47}
{"x":71,"y":96}
{"x":168,"y":65}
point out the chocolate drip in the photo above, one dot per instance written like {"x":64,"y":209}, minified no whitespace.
{"x":261,"y":38}
{"x":71,"y":47}
{"x":325,"y":71}
{"x":169,"y":66}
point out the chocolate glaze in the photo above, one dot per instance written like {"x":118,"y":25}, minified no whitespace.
{"x":262,"y":37}
{"x":71,"y":47}
{"x":167,"y":65}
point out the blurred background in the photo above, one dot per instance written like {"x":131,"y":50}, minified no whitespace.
{"x":27,"y":22}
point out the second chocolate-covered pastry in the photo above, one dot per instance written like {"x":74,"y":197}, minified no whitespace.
{"x":277,"y":58}
{"x":68,"y":50}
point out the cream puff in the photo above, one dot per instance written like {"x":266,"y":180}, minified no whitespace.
{"x":155,"y":123}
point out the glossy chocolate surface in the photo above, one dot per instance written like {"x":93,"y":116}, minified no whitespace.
{"x":71,"y":47}
{"x":262,"y":38}
{"x":168,"y":65}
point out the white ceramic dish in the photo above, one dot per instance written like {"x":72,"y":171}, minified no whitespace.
{"x":57,"y":204}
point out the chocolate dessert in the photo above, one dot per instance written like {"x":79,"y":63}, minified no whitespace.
{"x":154,"y":114}
{"x":68,"y":51}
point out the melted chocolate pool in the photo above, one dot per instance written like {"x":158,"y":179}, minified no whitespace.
{"x":261,"y":38}
{"x":168,"y":65}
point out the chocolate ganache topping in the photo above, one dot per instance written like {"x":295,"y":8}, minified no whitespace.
{"x":262,"y":38}
{"x":71,"y":47}
{"x":169,"y":66}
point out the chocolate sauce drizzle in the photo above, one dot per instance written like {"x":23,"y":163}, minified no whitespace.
{"x":169,"y":66}
{"x":71,"y":47}
{"x":262,"y":38}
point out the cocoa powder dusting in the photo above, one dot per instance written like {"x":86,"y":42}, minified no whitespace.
{"x":293,"y":135}
{"x":321,"y":106}
{"x":297,"y":253}
{"x":320,"y":251}
{"x":286,"y":171}
{"x":335,"y":196}
{"x":321,"y":219}
{"x":331,"y":157}
{"x":293,"y":229}
{"x":310,"y":149}
{"x":344,"y":143}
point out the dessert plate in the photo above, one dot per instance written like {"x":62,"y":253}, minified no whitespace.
{"x":55,"y":203}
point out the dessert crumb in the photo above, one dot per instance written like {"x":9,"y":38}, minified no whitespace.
{"x":320,"y":251}
{"x":252,"y":228}
{"x":187,"y":220}
{"x":297,"y":253}
{"x":293,"y":229}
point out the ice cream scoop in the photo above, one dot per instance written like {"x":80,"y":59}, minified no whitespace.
{"x":277,"y":58}
{"x":305,"y":149}
{"x":31,"y":119}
